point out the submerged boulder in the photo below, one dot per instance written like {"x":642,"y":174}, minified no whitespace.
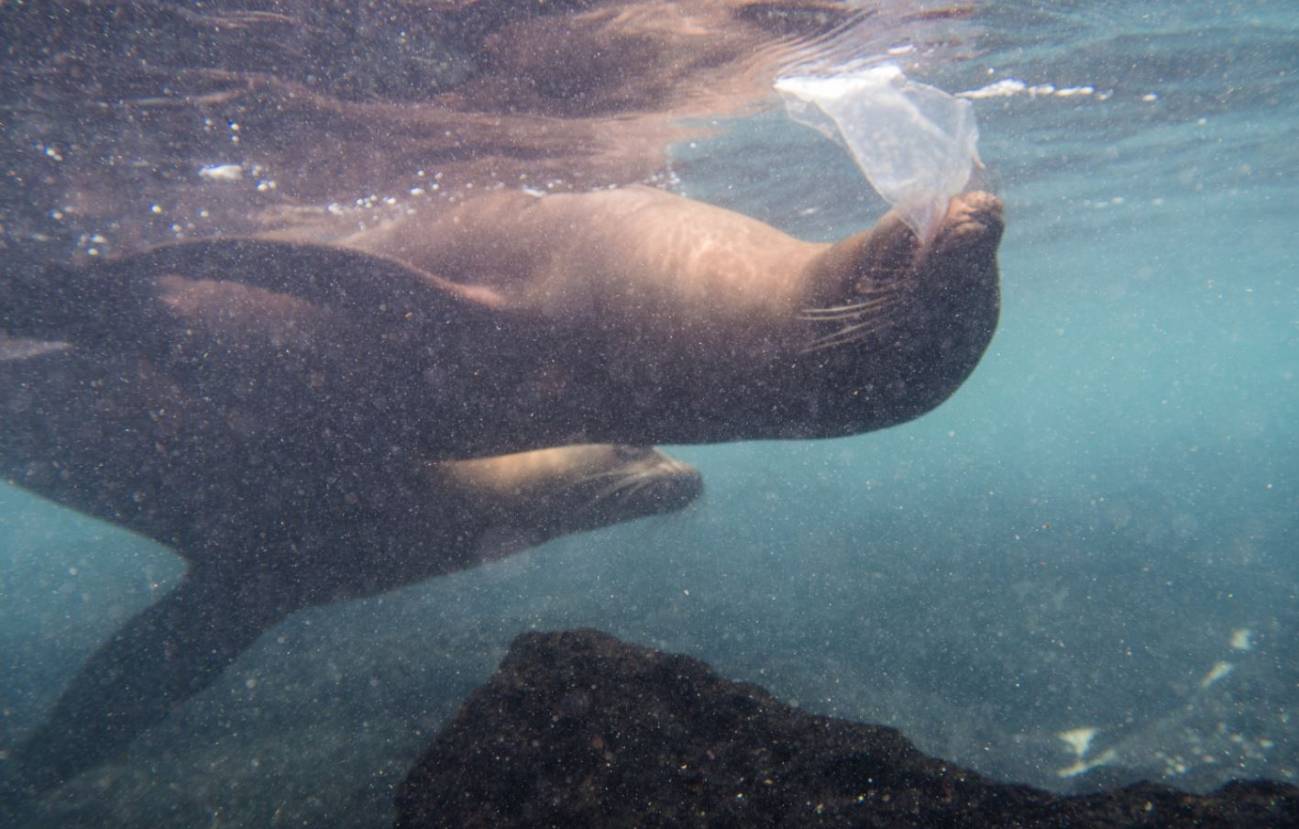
{"x":577,"y":728}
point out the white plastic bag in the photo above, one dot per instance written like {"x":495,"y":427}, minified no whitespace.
{"x":915,"y":143}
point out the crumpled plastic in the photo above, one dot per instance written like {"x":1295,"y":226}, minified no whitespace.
{"x":915,"y":143}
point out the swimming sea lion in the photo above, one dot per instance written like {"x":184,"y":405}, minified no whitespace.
{"x":690,"y":323}
{"x":266,"y":533}
{"x":512,"y":322}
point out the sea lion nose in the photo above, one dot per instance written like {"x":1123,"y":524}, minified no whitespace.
{"x":679,"y":489}
{"x":961,"y":260}
{"x":974,"y":222}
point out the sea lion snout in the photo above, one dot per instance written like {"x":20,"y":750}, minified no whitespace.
{"x":957,"y":277}
{"x":972,"y":227}
{"x":675,"y":486}
{"x":910,"y":321}
{"x":655,"y":483}
{"x":970,"y":231}
{"x":883,"y":283}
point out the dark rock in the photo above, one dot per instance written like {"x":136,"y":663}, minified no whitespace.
{"x":579,"y":729}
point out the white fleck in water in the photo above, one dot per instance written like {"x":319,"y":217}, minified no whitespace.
{"x":1217,"y":672}
{"x":222,"y":172}
{"x":1240,"y":639}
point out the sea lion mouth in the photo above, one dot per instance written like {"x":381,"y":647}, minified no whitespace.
{"x":896,"y":273}
{"x":970,"y":232}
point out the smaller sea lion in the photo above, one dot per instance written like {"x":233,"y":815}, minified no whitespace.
{"x":282,"y":537}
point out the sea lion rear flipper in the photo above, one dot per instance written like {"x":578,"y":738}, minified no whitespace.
{"x":161,"y":657}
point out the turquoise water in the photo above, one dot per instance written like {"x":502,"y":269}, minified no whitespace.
{"x":1099,"y":531}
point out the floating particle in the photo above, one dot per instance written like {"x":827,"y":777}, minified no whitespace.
{"x":222,"y":172}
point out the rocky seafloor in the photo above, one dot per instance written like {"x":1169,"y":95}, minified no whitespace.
{"x":578,"y":728}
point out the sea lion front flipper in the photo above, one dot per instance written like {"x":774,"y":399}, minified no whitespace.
{"x":326,"y":274}
{"x":108,"y":298}
{"x":164,"y":655}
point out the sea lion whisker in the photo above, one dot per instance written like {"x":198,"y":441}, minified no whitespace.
{"x":635,"y":487}
{"x":848,"y":311}
{"x":857,"y":333}
{"x":615,"y":473}
{"x":642,"y":482}
{"x":861,"y":315}
{"x":839,"y":310}
{"x":634,"y":484}
{"x":624,"y":484}
{"x":854,"y":320}
{"x":849,"y":334}
{"x":866,"y":328}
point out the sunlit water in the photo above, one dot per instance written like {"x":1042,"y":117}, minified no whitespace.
{"x":1099,"y":531}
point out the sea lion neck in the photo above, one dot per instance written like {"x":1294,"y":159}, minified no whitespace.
{"x":628,"y":259}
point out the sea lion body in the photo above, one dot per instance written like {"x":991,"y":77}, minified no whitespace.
{"x":113,"y":439}
{"x":267,"y":528}
{"x":685,"y":322}
{"x":512,"y":322}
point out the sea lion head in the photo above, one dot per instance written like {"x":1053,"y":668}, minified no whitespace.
{"x":893,"y":327}
{"x":546,"y":493}
{"x":612,"y":483}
